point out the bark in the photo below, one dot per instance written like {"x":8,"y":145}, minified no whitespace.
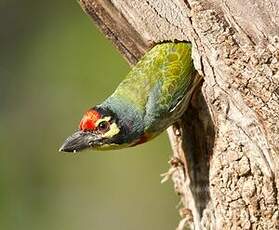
{"x":226,"y":147}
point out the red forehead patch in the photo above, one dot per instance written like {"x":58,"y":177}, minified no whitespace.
{"x":89,"y":119}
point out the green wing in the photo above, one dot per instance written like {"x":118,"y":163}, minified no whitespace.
{"x":159,"y":81}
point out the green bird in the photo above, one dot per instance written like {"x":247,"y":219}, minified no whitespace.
{"x":152,"y":97}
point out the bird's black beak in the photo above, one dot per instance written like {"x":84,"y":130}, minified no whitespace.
{"x":78,"y":141}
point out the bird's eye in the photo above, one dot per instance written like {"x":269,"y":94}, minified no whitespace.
{"x":103,"y":126}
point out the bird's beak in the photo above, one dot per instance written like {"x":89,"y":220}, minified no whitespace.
{"x":78,"y":141}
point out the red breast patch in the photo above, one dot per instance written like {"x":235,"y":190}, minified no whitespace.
{"x":144,"y":138}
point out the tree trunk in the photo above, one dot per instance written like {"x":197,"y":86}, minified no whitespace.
{"x":226,"y":147}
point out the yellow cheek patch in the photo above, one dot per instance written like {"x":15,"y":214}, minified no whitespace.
{"x":112,"y":132}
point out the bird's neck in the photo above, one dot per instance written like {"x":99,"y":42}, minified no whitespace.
{"x":130,"y":117}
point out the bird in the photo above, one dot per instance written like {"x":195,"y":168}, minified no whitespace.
{"x":153,"y":96}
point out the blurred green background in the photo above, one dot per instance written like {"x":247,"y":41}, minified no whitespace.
{"x":54,"y":64}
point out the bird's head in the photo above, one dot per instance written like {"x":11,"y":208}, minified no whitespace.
{"x":100,"y":129}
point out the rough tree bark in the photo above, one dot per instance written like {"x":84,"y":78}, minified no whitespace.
{"x":226,"y":146}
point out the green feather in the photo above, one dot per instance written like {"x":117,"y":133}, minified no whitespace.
{"x":161,"y":80}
